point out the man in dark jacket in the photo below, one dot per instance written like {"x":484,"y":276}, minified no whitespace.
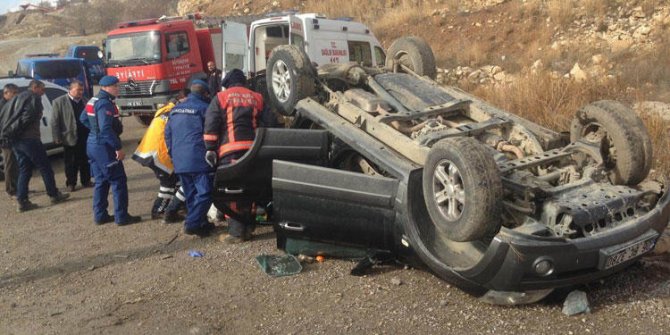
{"x":69,"y":131}
{"x":9,"y":160}
{"x":213,"y":78}
{"x":24,"y":132}
{"x":106,"y":155}
{"x":183,"y":137}
{"x":230,"y":129}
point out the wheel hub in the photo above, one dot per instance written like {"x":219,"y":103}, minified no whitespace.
{"x":281,"y":81}
{"x":448,"y":190}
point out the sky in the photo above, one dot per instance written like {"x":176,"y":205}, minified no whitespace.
{"x":13,"y":5}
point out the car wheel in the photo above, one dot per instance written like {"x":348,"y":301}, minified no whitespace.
{"x":290,"y":78}
{"x":144,"y":119}
{"x":414,"y":53}
{"x":623,"y":139}
{"x":462,"y":189}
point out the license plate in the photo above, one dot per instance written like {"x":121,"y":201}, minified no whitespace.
{"x":613,"y":256}
{"x":132,"y":103}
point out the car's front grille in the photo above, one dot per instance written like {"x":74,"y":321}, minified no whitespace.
{"x":137,"y":88}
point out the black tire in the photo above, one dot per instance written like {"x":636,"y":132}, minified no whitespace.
{"x":290,"y":78}
{"x":414,"y":53}
{"x":624,"y":140}
{"x":475,"y":177}
{"x":144,"y":119}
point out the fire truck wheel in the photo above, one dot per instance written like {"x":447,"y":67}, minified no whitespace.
{"x":290,"y":78}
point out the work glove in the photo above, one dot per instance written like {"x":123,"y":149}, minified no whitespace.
{"x":210,"y":158}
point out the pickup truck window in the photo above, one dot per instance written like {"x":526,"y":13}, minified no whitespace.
{"x":89,"y":54}
{"x":177,"y":44}
{"x":58,"y":69}
{"x":359,"y":52}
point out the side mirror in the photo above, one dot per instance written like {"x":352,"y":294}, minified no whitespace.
{"x":10,"y":73}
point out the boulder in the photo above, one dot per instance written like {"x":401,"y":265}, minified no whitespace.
{"x":577,"y":73}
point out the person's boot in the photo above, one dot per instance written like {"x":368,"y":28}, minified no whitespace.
{"x":59,"y":197}
{"x":71,"y":188}
{"x":25,"y":205}
{"x":159,"y":207}
{"x":172,"y":217}
{"x":107,"y":219}
{"x":130,"y":219}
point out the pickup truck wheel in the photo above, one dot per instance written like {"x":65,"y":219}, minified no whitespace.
{"x":462,"y":189}
{"x":624,"y":141}
{"x":144,"y":119}
{"x":290,"y":78}
{"x":414,"y":53}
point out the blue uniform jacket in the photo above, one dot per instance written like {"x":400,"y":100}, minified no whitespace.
{"x":184,"y":135}
{"x":102,"y":118}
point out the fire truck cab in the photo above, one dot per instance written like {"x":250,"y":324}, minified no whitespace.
{"x":155,"y":58}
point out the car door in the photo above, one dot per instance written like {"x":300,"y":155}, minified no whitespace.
{"x":235,"y":46}
{"x":326,"y":205}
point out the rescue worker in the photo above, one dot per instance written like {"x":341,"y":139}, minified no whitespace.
{"x":153,"y":153}
{"x":106,"y":155}
{"x":230,"y":129}
{"x":184,"y":139}
{"x":71,"y":133}
{"x":23,"y":130}
{"x":11,"y":168}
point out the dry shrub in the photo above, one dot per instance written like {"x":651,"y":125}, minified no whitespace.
{"x":552,"y":102}
{"x":597,"y":7}
{"x":406,"y":13}
{"x":659,"y":131}
{"x":561,"y":11}
{"x":649,"y":6}
{"x":549,"y":101}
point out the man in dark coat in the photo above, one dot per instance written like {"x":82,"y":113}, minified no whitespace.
{"x":9,"y":160}
{"x":184,"y":139}
{"x":72,"y":134}
{"x":213,"y":78}
{"x":24,"y":131}
{"x":106,"y":155}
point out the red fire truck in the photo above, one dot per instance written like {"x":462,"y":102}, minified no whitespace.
{"x":155,"y":58}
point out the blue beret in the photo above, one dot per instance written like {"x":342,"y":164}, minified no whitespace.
{"x":201,"y":83}
{"x":108,"y":81}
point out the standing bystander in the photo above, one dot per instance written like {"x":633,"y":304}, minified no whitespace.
{"x":9,"y":159}
{"x":24,"y":132}
{"x":69,"y":131}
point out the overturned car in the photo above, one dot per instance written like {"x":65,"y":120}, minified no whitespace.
{"x":393,"y":163}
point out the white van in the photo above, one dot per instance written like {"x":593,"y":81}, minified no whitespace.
{"x":324,"y":41}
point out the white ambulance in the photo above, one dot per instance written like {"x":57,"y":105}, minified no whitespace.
{"x":260,"y":51}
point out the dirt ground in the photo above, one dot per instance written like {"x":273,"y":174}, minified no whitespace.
{"x":61,"y":274}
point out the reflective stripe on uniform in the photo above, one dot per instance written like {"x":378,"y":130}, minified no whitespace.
{"x":232,"y":147}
